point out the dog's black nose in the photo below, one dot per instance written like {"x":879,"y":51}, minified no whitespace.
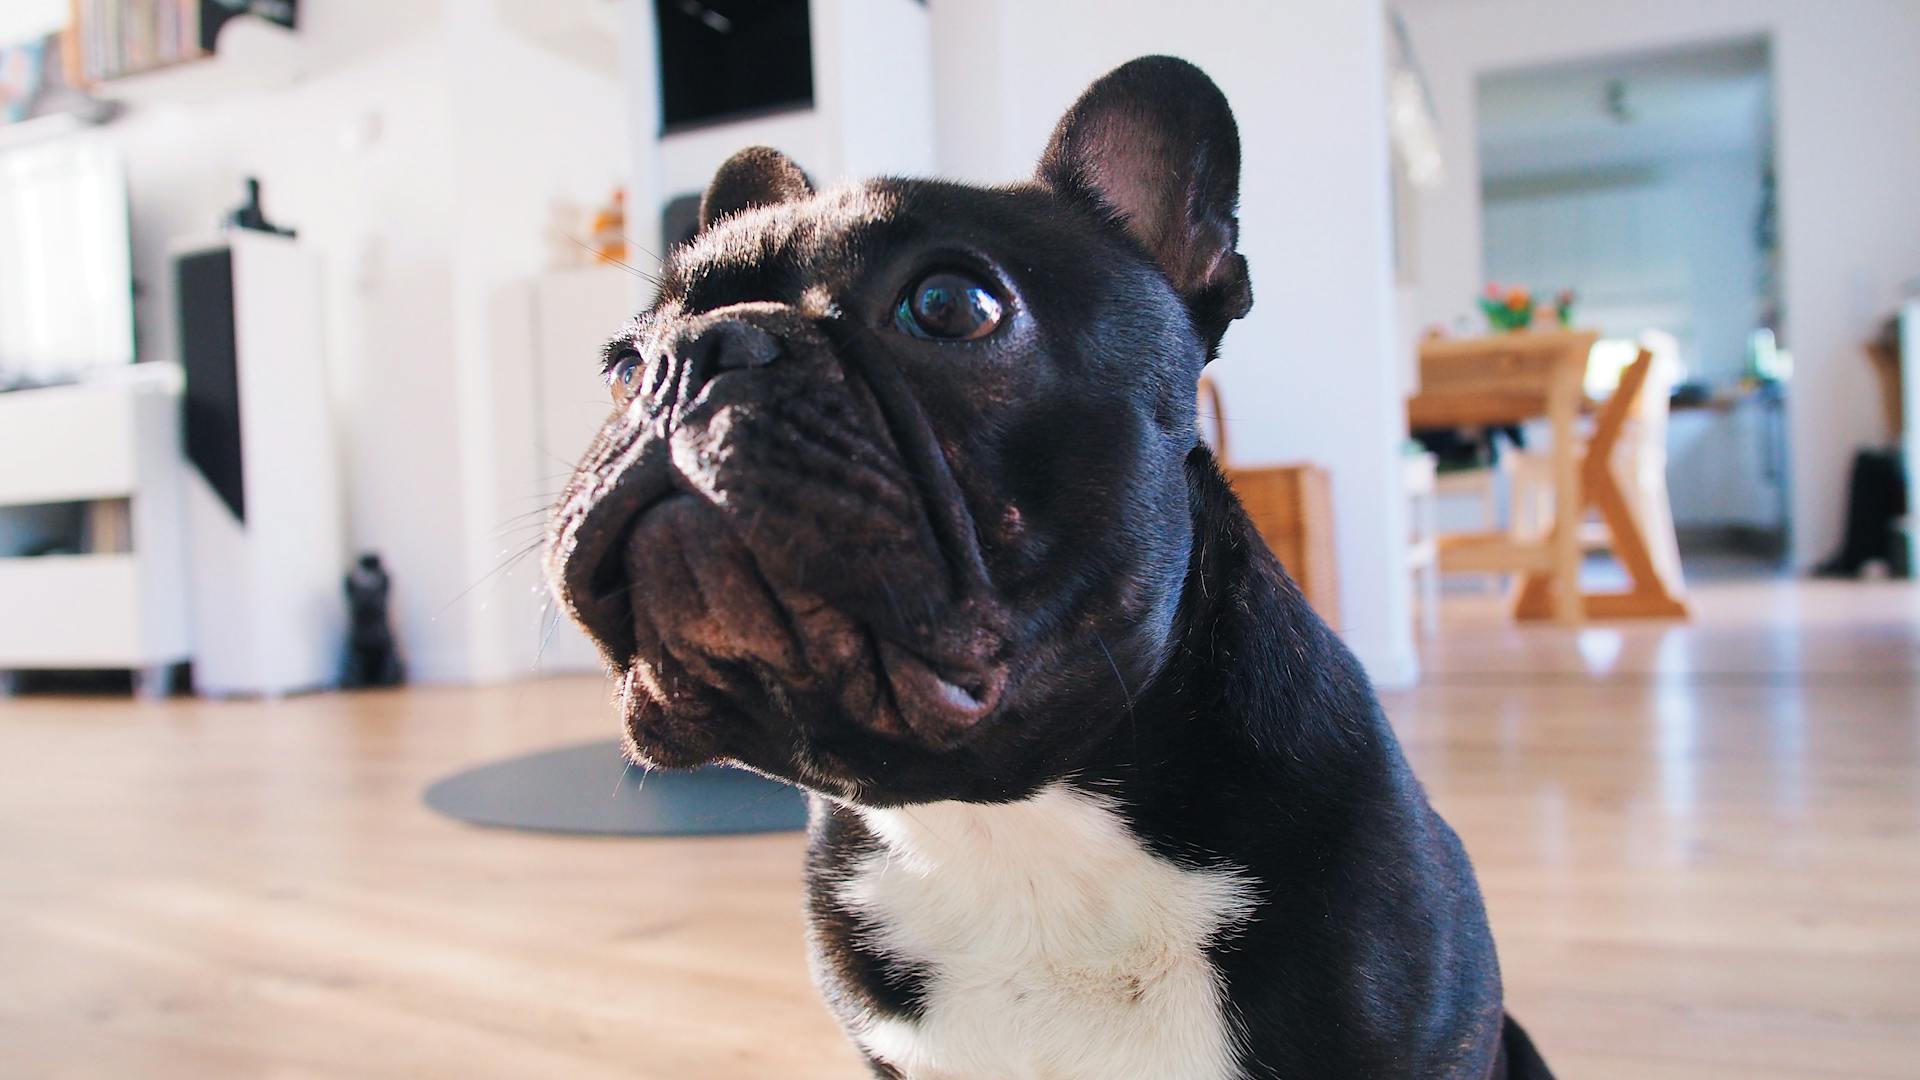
{"x":727,"y":345}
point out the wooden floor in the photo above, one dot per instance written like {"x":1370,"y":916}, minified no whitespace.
{"x":1700,"y":846}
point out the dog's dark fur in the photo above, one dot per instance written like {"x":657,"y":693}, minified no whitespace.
{"x":897,"y":570}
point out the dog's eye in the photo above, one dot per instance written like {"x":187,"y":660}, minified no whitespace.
{"x":624,"y":376}
{"x":948,"y":306}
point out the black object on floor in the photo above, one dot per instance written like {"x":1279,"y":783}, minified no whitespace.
{"x":591,"y":789}
{"x":373,"y":659}
{"x":1876,"y":501}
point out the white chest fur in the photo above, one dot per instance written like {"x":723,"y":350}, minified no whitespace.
{"x":1056,"y":944}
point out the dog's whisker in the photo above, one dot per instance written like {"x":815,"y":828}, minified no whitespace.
{"x":550,"y":614}
{"x":507,"y":562}
{"x":651,"y":279}
{"x":1133,"y":721}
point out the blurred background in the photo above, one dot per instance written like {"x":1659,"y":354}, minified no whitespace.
{"x":1578,"y":394}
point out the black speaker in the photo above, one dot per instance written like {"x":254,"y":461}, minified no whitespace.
{"x":215,"y":13}
{"x":203,"y":282}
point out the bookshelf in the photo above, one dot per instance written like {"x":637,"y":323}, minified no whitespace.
{"x":110,"y":40}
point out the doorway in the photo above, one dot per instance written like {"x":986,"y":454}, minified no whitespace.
{"x":1644,"y":185}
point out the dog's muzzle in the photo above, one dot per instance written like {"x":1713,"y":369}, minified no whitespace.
{"x":748,"y":539}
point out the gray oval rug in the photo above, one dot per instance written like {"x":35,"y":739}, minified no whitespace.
{"x":591,"y":789}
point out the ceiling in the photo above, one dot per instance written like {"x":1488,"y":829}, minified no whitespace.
{"x":1626,"y":113}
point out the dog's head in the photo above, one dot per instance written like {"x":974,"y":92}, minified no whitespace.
{"x":893,"y":499}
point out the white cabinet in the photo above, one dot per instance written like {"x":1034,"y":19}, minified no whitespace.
{"x":115,"y":445}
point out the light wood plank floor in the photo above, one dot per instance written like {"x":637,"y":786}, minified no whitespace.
{"x":1700,"y":845}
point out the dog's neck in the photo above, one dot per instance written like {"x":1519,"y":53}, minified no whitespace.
{"x":1072,"y":931}
{"x":1250,"y":646}
{"x":1254,"y":676}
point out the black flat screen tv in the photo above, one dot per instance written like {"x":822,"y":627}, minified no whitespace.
{"x":724,"y":60}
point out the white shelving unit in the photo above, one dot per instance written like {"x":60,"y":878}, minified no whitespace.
{"x":97,"y":443}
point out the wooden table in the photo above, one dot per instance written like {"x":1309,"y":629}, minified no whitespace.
{"x":1511,"y":378}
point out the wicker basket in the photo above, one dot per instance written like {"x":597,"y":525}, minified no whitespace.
{"x":1291,"y":506}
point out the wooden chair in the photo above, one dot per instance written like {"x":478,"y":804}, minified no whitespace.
{"x":1291,"y":507}
{"x":1650,"y":592}
{"x":1639,"y":463}
{"x":1885,"y":359}
{"x":1418,"y":476}
{"x":1479,"y":485}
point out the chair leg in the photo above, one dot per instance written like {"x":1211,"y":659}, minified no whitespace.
{"x":1490,"y":519}
{"x":1429,"y":515}
{"x":1528,"y":505}
{"x":1430,"y":600}
{"x":1523,"y":506}
{"x":1656,"y":518}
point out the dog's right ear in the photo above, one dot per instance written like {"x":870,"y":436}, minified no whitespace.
{"x":756,"y":176}
{"x":1152,"y":145}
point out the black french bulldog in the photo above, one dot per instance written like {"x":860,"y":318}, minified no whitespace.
{"x":902,"y":502}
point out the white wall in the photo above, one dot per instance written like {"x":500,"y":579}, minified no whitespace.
{"x":552,"y":137}
{"x":1847,"y":102}
{"x":871,"y":81}
{"x":1311,"y":374}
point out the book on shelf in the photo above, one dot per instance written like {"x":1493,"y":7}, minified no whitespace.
{"x":112,"y":39}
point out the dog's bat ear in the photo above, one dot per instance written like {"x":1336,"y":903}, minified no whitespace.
{"x":756,"y":176}
{"x":1153,"y":146}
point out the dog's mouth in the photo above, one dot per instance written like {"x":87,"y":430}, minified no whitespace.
{"x":701,"y":601}
{"x":764,"y":574}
